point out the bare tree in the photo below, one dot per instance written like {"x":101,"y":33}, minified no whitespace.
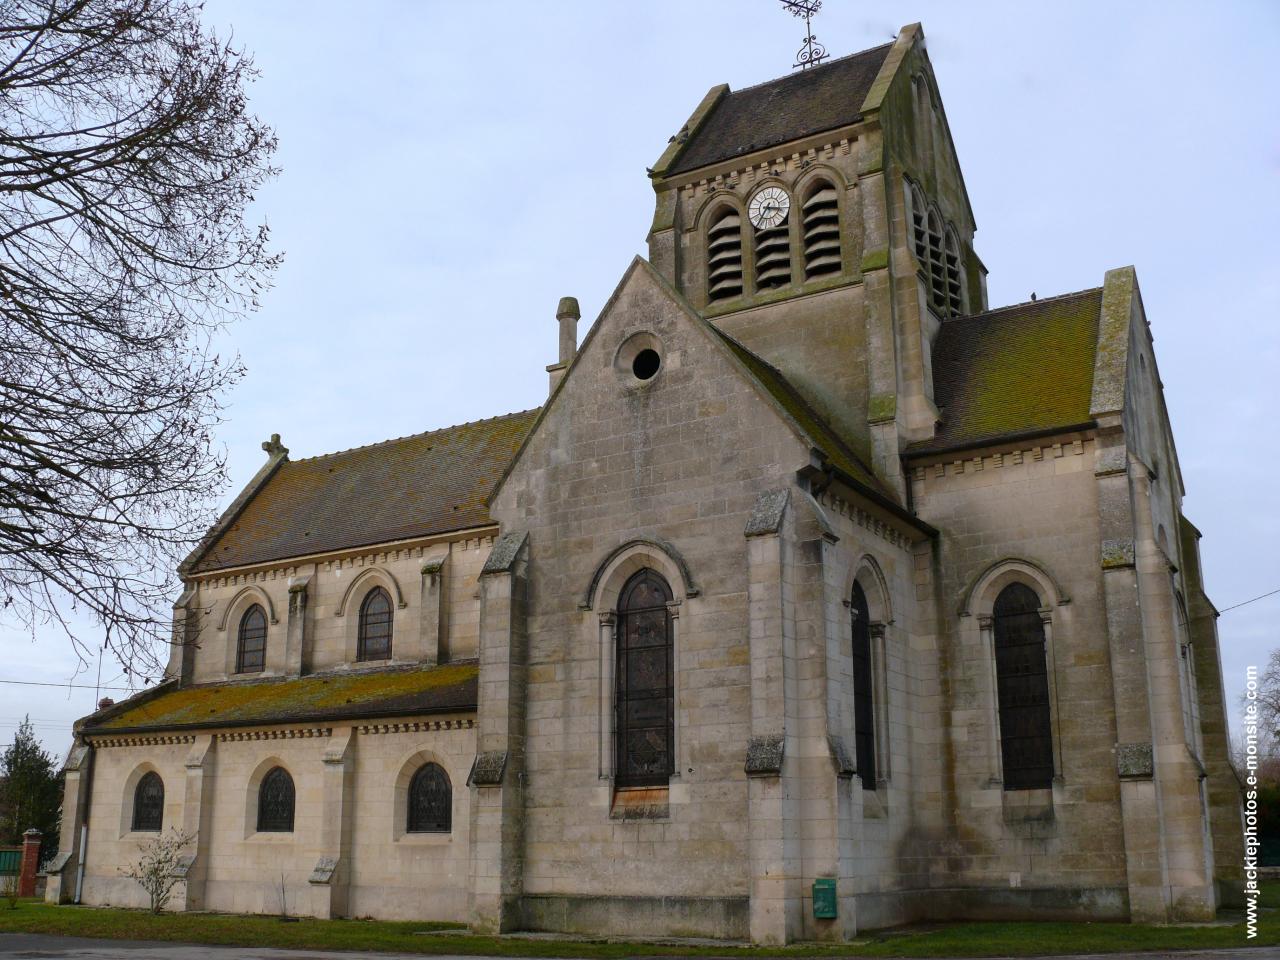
{"x":128,"y":159}
{"x":161,"y":866}
{"x":1269,"y":696}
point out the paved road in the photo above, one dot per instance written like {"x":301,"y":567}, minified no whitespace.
{"x":26,"y":946}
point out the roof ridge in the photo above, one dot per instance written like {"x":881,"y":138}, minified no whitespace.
{"x":1024,"y":303}
{"x":821,"y":66}
{"x":415,"y":436}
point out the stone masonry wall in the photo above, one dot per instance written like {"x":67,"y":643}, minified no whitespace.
{"x":1035,"y":504}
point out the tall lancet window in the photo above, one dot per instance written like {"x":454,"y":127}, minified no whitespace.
{"x":1022,"y":686}
{"x":251,"y":643}
{"x":644,"y":696}
{"x":148,"y":802}
{"x":864,"y":724}
{"x":375,"y":626}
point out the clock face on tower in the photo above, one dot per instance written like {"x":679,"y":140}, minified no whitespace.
{"x":769,"y":208}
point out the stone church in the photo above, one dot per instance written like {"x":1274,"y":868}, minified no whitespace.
{"x":817,"y":596}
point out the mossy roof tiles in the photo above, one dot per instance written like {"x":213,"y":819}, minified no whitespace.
{"x":401,"y":691}
{"x":430,"y":483}
{"x":805,"y":102}
{"x":1014,"y":371}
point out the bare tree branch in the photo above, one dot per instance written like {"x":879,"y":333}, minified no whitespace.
{"x":128,"y":161}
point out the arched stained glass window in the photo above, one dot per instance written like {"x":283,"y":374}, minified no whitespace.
{"x":375,"y":626}
{"x":275,"y":802}
{"x":251,"y":644}
{"x":1022,"y":681}
{"x":864,"y":725}
{"x":644,"y":683}
{"x":148,"y":802}
{"x":430,"y":801}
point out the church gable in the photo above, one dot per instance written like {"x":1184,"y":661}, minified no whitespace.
{"x":666,"y":378}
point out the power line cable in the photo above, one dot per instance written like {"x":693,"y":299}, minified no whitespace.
{"x":1245,"y":603}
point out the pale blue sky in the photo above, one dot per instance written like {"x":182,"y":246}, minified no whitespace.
{"x":450,"y":170}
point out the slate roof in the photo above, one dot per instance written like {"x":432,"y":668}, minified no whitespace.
{"x":805,"y":102}
{"x":1021,"y":369}
{"x":821,"y":434}
{"x":400,"y":691}
{"x":430,"y":483}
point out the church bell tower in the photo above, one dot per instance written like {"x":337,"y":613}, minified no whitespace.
{"x":821,"y":220}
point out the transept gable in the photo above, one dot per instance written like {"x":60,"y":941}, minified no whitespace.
{"x":638,"y":317}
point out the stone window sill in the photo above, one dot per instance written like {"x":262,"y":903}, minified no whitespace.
{"x":641,"y":803}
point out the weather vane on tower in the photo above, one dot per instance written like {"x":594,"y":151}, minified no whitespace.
{"x":812,"y":52}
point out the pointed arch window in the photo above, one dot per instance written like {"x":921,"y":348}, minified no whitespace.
{"x":1022,"y":687}
{"x":919,"y":229}
{"x":430,"y":801}
{"x":148,"y":803}
{"x":251,"y":642}
{"x":275,"y":802}
{"x":374,"y":642}
{"x":820,"y":222}
{"x":644,"y":695}
{"x":864,"y":728}
{"x":937,"y":265}
{"x":951,"y":256}
{"x":724,"y":256}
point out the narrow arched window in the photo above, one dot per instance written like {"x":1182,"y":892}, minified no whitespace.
{"x":951,"y":255}
{"x":1022,"y":681}
{"x":148,"y":802}
{"x":919,"y":230}
{"x":937,"y":265}
{"x":724,"y":256}
{"x":275,"y":802}
{"x":375,"y":626}
{"x":923,"y":114}
{"x":644,"y":683}
{"x":864,"y":725}
{"x":821,"y":226}
{"x":251,"y":644}
{"x":430,"y":801}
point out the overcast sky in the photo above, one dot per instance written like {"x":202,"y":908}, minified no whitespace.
{"x":450,"y":170}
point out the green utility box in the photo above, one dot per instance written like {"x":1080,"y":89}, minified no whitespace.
{"x":824,"y":898}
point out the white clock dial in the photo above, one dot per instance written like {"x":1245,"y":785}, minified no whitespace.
{"x":769,"y":208}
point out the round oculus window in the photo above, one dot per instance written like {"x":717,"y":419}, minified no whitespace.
{"x":646,"y":363}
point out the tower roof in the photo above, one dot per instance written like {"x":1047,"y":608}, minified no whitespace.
{"x":806,"y":102}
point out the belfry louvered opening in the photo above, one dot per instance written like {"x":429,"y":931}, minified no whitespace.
{"x":773,"y":256}
{"x":821,"y":225}
{"x":937,"y":269}
{"x":724,"y":256}
{"x":955,"y":296}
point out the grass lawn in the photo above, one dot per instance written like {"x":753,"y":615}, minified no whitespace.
{"x":949,"y":940}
